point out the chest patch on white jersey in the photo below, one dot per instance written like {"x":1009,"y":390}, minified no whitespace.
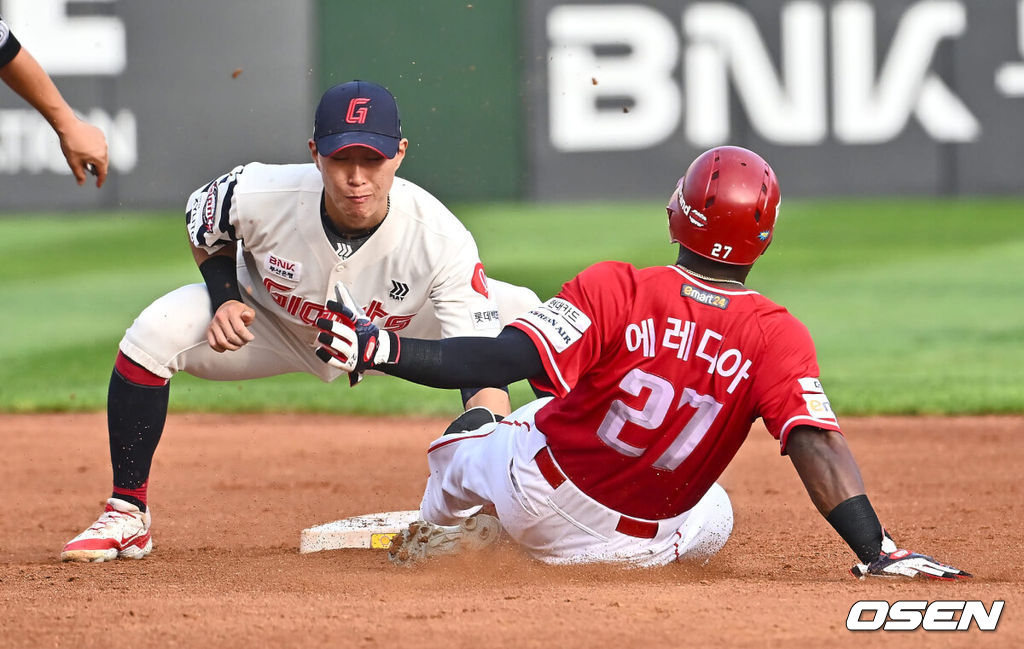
{"x":283,"y":268}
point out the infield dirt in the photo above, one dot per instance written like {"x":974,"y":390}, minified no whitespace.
{"x":230,"y":494}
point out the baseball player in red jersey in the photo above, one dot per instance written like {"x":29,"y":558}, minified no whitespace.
{"x":657,"y":375}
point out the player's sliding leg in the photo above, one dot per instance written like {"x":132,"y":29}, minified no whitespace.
{"x":423,"y":540}
{"x":703,"y":533}
{"x":467,"y":529}
{"x":471,"y":420}
{"x":554,"y":523}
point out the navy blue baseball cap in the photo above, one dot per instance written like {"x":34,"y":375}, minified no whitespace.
{"x":357,"y":113}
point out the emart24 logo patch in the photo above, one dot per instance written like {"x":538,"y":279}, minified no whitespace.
{"x":909,"y":615}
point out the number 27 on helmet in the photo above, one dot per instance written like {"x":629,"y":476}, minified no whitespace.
{"x":724,"y":207}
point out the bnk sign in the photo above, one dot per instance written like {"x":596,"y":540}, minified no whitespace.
{"x":626,"y":76}
{"x":908,"y":615}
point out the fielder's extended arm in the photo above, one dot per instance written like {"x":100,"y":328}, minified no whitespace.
{"x":455,"y":362}
{"x":354,"y":344}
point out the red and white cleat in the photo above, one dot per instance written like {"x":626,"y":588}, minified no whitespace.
{"x":121,"y":531}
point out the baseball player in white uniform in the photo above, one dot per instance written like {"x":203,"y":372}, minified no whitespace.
{"x":272,"y":243}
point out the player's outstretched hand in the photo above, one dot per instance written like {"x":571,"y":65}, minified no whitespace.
{"x":227,"y":331}
{"x":85,"y":149}
{"x":894,"y":562}
{"x":349,"y":341}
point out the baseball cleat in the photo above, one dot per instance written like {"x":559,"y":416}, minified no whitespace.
{"x":423,"y":540}
{"x":121,"y":531}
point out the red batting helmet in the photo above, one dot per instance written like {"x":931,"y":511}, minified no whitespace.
{"x":724,"y":208}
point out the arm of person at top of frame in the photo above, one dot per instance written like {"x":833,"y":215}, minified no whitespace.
{"x":84,"y":146}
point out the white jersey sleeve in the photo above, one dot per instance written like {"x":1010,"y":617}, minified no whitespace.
{"x":9,"y":45}
{"x":460,"y":295}
{"x":211,"y":214}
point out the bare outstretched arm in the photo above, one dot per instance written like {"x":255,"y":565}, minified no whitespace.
{"x":826,"y":466}
{"x":84,"y":146}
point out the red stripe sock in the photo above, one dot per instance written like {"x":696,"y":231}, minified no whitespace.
{"x":135,"y":496}
{"x":135,"y":373}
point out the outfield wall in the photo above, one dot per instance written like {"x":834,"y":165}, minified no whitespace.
{"x":535,"y":99}
{"x":850,"y":98}
{"x":185,"y":90}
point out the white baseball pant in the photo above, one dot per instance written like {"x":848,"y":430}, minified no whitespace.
{"x":169,"y":336}
{"x":497,"y":463}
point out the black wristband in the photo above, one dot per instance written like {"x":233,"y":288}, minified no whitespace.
{"x":857,"y":523}
{"x":219,"y":274}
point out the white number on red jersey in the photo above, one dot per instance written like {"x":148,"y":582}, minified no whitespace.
{"x":652,"y":416}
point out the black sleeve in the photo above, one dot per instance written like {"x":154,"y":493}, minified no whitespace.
{"x":219,"y":274}
{"x":467,"y":362}
{"x":9,"y":45}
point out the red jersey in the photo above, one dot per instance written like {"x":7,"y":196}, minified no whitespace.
{"x":659,"y":377}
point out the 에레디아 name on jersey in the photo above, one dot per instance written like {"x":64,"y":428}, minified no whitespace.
{"x":681,"y":336}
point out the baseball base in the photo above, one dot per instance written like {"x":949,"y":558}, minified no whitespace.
{"x":373,"y":531}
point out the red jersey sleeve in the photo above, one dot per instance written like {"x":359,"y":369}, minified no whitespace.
{"x":570,"y":329}
{"x":790,"y":393}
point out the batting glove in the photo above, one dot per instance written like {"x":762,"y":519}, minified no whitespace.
{"x":894,"y":562}
{"x":350,"y":342}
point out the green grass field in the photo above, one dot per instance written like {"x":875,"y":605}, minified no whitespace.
{"x":915,"y":305}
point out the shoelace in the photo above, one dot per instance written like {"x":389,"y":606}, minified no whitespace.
{"x":109,"y":518}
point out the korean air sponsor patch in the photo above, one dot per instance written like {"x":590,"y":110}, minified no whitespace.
{"x":559,"y":321}
{"x":818,"y":405}
{"x":4,"y":32}
{"x":283,"y":268}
